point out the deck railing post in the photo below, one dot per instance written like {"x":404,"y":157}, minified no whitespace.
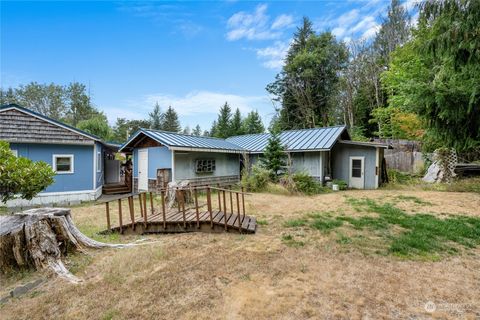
{"x":183,"y":208}
{"x":238,"y":213}
{"x":140,"y":203}
{"x":163,"y":210}
{"x":196,"y":206}
{"x":107,"y":210}
{"x":231,"y":199}
{"x":145,"y":203}
{"x":219,"y":198}
{"x":225,"y":209}
{"x":151,"y":202}
{"x":120,"y":215}
{"x":243,"y":203}
{"x":209,"y":205}
{"x":132,"y":211}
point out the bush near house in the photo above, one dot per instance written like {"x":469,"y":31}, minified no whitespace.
{"x":21,"y":177}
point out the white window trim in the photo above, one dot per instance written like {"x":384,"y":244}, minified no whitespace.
{"x":99,"y":158}
{"x":54,"y":163}
{"x":15,"y":152}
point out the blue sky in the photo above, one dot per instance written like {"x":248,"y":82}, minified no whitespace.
{"x":191,"y":55}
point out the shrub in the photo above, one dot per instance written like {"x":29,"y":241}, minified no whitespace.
{"x":257,"y":179}
{"x":342,"y":185}
{"x":21,"y":177}
{"x":302,"y":182}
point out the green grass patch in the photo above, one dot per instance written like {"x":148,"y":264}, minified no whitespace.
{"x":262,"y":222}
{"x":413,"y":199}
{"x":290,"y":241}
{"x":294,"y":223}
{"x":390,"y":230}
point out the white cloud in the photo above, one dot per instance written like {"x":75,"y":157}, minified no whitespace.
{"x":273,"y":56}
{"x":283,"y":21}
{"x":204,"y":102}
{"x":256,"y":25}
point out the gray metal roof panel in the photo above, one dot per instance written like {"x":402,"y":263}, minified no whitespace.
{"x":292,"y":140}
{"x":172,"y":139}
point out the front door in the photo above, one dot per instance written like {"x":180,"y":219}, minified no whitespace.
{"x":357,"y":176}
{"x":143,"y":169}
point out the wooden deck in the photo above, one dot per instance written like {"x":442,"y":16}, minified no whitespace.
{"x":202,"y":218}
{"x":174,"y":222}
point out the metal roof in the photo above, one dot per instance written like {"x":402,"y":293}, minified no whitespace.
{"x":178,"y":141}
{"x":293,"y":140}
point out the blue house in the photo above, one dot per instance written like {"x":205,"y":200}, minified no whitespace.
{"x":77,"y":157}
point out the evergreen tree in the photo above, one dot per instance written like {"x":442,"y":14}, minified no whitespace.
{"x":156,"y":118}
{"x":213,"y":129}
{"x":187,"y":130}
{"x":252,"y":123}
{"x":170,"y":121}
{"x":274,"y":156}
{"x":223,"y":129}
{"x":79,"y":107}
{"x":96,"y":125}
{"x":236,"y":127}
{"x":197,"y":131}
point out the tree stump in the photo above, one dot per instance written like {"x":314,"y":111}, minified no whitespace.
{"x":39,"y":238}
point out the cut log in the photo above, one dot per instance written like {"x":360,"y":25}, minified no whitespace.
{"x":39,"y":238}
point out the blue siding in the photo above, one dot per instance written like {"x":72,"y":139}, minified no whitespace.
{"x":81,"y":179}
{"x":158,"y":157}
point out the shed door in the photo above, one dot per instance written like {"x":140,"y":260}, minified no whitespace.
{"x":357,"y":172}
{"x":143,"y":169}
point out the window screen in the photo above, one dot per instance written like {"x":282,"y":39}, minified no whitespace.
{"x":202,"y":166}
{"x":356,"y":168}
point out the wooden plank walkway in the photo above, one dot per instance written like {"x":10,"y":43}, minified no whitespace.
{"x":174,"y":222}
{"x":227,"y":218}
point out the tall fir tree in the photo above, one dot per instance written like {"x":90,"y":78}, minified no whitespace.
{"x":156,"y":118}
{"x":223,"y":129}
{"x":252,"y":123}
{"x":197,"y":131}
{"x":236,"y":127}
{"x":170,"y":121}
{"x":274,"y":158}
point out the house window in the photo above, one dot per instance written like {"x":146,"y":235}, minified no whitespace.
{"x":63,"y":163}
{"x":99,"y":161}
{"x":15,"y":152}
{"x":204,"y":166}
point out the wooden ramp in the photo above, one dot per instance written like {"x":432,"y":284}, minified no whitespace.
{"x":175,"y":220}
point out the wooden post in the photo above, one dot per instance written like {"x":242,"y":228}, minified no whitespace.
{"x":140,"y":203}
{"x":219,"y":199}
{"x":183,"y":208}
{"x":107,"y":210}
{"x":120,"y":215}
{"x":231,"y":200}
{"x":225,"y":209}
{"x":132,"y":211}
{"x":238,"y":213}
{"x":209,"y":205}
{"x":145,"y":203}
{"x":163,"y":210}
{"x":151,"y":202}
{"x":196,"y":206}
{"x":243,"y":203}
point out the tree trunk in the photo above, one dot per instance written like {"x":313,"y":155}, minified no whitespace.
{"x":39,"y":238}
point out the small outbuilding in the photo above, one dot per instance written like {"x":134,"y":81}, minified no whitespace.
{"x":160,"y":157}
{"x":324,"y":153}
{"x":76,"y":156}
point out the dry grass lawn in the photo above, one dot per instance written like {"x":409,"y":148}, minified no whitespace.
{"x":265,"y":276}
